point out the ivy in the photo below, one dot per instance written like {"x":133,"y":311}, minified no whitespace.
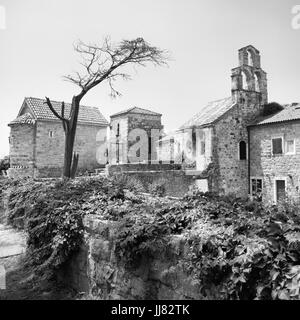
{"x":235,"y":249}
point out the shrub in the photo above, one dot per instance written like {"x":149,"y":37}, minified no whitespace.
{"x":4,"y":164}
{"x":158,"y":187}
{"x":236,"y":249}
{"x":271,"y":108}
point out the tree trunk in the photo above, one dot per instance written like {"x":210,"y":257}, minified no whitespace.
{"x":70,"y":161}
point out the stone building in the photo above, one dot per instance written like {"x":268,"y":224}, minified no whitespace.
{"x":275,"y":155}
{"x":216,"y":138}
{"x":37,"y":139}
{"x":133,"y":135}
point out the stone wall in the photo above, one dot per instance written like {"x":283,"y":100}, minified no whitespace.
{"x":39,"y":150}
{"x":22,"y":143}
{"x":177,"y":182}
{"x":232,"y":174}
{"x":111,"y":169}
{"x":181,"y":147}
{"x":127,"y":123}
{"x":267,"y":166}
{"x":96,"y":269}
{"x":50,"y":150}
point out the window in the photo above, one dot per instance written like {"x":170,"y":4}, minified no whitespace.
{"x":256,"y":82}
{"x":149,"y":148}
{"x":118,"y":152}
{"x":244,"y":81}
{"x":194,"y":142}
{"x":277,"y":146}
{"x":118,"y":129}
{"x":256,"y":187}
{"x":290,"y":146}
{"x":242,"y":150}
{"x":50,"y":134}
{"x":250,"y":58}
{"x":202,"y":148}
{"x":280,"y":192}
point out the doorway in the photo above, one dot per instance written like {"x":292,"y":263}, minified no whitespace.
{"x":280,"y":192}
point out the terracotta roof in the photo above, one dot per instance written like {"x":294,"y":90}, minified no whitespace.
{"x":210,"y":113}
{"x":25,"y":118}
{"x":290,"y":112}
{"x":137,"y":110}
{"x":88,"y":115}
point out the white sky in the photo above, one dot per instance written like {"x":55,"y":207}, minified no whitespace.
{"x":202,"y":36}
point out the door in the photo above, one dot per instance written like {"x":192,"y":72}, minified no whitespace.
{"x":280,"y":190}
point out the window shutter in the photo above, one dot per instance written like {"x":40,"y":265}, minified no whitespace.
{"x":277,"y":146}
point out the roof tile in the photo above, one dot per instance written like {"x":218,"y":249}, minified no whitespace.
{"x":88,"y":115}
{"x":210,"y":113}
{"x":290,"y":112}
{"x":137,"y":110}
{"x":25,"y":118}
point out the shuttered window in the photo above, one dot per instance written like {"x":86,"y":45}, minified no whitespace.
{"x":277,"y":146}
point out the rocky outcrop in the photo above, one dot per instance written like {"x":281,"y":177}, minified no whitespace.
{"x":95,"y":268}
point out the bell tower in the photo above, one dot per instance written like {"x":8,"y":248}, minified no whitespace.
{"x":248,"y":79}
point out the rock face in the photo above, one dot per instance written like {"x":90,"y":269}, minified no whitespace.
{"x":95,"y":269}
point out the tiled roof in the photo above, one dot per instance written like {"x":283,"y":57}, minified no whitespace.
{"x":88,"y":115}
{"x":290,"y":112}
{"x":137,"y":110}
{"x":25,"y":118}
{"x":210,"y":113}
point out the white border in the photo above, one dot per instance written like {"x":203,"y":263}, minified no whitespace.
{"x":294,"y":151}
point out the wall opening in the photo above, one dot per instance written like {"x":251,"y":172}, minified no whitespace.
{"x":242,"y":150}
{"x":244,"y":81}
{"x":250,"y":61}
{"x":256,"y":83}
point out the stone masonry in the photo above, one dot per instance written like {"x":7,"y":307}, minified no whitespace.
{"x":268,"y":167}
{"x":95,"y":269}
{"x":127,"y":129}
{"x":37,"y":141}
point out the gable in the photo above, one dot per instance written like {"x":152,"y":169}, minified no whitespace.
{"x":136,"y":110}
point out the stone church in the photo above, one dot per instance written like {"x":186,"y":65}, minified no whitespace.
{"x":37,"y":139}
{"x":236,"y":146}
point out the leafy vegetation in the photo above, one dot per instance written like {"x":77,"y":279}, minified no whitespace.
{"x":4,"y":164}
{"x":271,"y":108}
{"x":158,"y":187}
{"x":236,"y":249}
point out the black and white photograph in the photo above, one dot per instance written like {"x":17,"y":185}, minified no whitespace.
{"x":149,"y":153}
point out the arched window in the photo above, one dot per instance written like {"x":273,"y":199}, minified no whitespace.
{"x":244,"y":81}
{"x":242,"y":150}
{"x":118,"y":130}
{"x":256,"y":82}
{"x":250,"y":58}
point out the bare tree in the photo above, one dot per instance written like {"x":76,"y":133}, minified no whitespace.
{"x":100,"y":64}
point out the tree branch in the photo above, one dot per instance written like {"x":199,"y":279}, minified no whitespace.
{"x":65,"y":121}
{"x":100,"y":62}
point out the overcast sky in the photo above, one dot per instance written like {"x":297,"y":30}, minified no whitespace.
{"x":203,"y":37}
